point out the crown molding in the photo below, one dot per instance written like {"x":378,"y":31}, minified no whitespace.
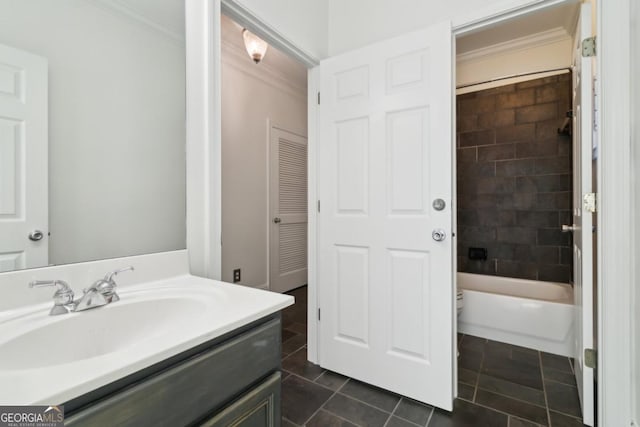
{"x":522,"y":43}
{"x":234,"y":56}
{"x":121,"y":8}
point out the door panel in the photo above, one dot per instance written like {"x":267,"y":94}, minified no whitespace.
{"x":583,"y":219}
{"x":385,"y":286}
{"x":23,"y":159}
{"x":288,"y":203}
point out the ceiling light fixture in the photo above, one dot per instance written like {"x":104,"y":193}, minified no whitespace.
{"x":256,"y":47}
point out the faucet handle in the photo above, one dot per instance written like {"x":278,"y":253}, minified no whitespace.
{"x":62,"y":297}
{"x":63,"y":287}
{"x":109,"y":276}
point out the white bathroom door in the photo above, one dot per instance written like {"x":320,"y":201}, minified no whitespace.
{"x":384,"y":155}
{"x":288,"y":210}
{"x":583,"y":260}
{"x":23,"y":160}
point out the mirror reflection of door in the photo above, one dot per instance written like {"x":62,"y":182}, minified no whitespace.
{"x":288,"y":211}
{"x":23,"y":160}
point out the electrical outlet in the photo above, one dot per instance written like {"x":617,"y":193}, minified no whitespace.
{"x":236,"y":275}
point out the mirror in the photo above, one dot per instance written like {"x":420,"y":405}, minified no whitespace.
{"x":92,"y":130}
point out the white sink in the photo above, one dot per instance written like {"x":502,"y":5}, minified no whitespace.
{"x":52,"y":359}
{"x":99,"y":331}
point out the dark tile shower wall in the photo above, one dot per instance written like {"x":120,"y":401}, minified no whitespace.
{"x":514,"y":179}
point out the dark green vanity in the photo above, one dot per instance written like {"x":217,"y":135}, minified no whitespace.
{"x":233,"y":380}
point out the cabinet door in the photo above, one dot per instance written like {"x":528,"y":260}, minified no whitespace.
{"x":259,"y":407}
{"x":190,"y":390}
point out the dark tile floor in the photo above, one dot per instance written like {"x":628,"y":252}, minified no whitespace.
{"x":499,"y":385}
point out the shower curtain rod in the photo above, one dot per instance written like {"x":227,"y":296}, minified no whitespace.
{"x":513,"y":76}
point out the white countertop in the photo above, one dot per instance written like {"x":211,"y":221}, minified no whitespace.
{"x":41,"y":373}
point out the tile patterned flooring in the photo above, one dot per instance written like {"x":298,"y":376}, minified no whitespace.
{"x":499,"y":385}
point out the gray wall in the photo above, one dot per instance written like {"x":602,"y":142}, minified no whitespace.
{"x":514,"y":179}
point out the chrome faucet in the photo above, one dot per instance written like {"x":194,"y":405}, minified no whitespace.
{"x":91,"y":298}
{"x":62,"y":299}
{"x":107,"y":285}
{"x":101,"y":292}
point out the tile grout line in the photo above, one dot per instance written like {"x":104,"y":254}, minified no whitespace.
{"x":565,"y":414}
{"x":293,"y":374}
{"x":391,"y":414}
{"x":289,"y":421}
{"x":560,"y":382}
{"x":431,"y":416}
{"x":338,"y":416}
{"x":515,"y":398}
{"x":477,"y":385}
{"x":318,"y":377}
{"x":371,"y":405}
{"x":290,"y":354}
{"x":322,"y":374}
{"x":325,"y":402}
{"x":295,"y":351}
{"x":544,"y":389}
{"x":523,"y":419}
{"x":500,"y":411}
{"x":363,"y":402}
{"x":573,"y":368}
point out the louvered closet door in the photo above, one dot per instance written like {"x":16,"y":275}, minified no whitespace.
{"x":288,"y":208}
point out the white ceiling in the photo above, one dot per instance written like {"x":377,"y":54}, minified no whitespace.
{"x":563,"y":16}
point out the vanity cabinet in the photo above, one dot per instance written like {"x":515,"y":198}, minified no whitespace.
{"x":231,"y":381}
{"x":259,"y":407}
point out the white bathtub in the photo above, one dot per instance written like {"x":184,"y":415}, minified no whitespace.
{"x":527,"y":313}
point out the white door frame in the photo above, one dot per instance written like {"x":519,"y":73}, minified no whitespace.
{"x":615,"y":198}
{"x":204,"y":138}
{"x":615,"y":219}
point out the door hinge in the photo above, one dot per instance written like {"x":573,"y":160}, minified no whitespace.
{"x":590,"y":358}
{"x":589,"y":47}
{"x":589,"y":202}
{"x":318,"y":206}
{"x":318,"y":315}
{"x":318,"y":98}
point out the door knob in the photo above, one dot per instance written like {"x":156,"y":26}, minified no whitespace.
{"x":36,"y":235}
{"x":277,"y":220}
{"x":439,"y":204}
{"x":439,"y":235}
{"x":568,"y":228}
